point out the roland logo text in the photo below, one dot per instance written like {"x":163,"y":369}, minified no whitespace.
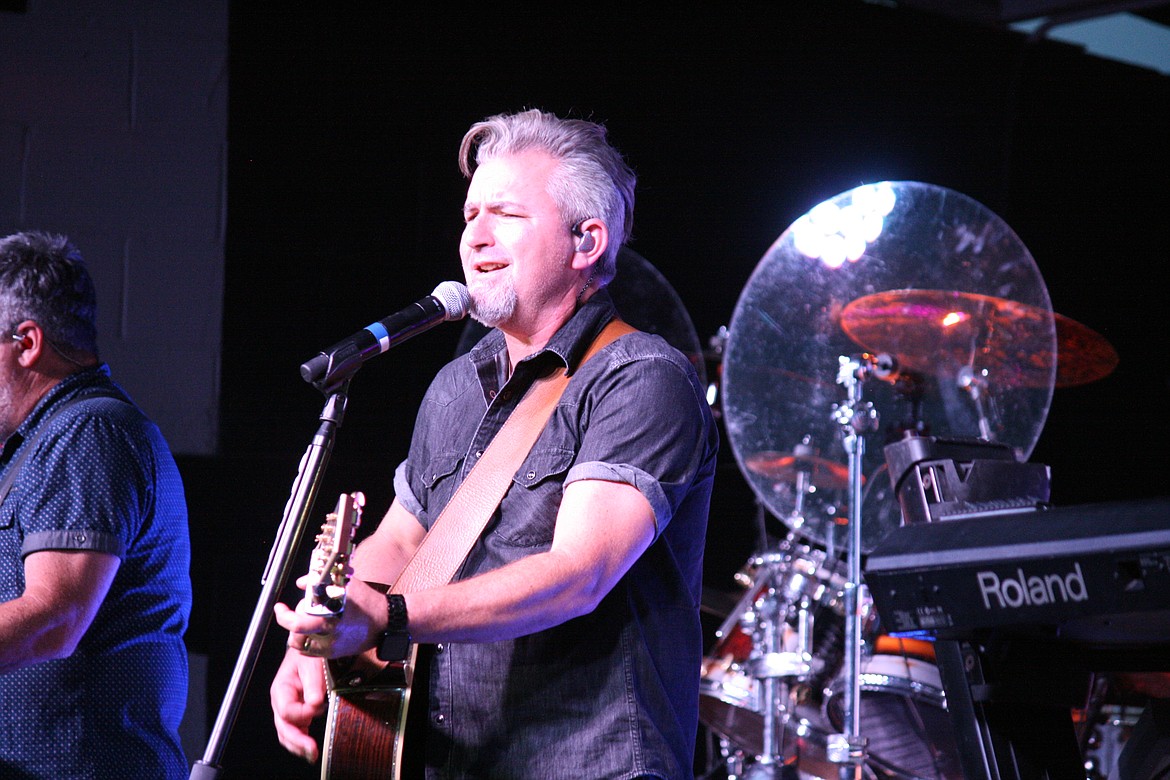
{"x":1025,"y":590}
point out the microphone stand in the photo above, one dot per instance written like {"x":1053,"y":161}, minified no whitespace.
{"x":292,"y":527}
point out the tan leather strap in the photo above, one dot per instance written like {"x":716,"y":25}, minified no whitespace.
{"x":461,"y":522}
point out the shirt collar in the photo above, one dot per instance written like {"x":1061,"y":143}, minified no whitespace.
{"x":567,"y":346}
{"x":66,"y":388}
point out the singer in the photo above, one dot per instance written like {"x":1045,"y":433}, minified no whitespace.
{"x":568,"y":644}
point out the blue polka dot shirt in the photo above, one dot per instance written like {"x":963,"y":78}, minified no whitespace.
{"x":100,"y":477}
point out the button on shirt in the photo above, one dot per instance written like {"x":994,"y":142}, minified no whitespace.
{"x":100,"y":477}
{"x":611,"y":694}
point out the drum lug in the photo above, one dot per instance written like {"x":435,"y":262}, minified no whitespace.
{"x":784,"y":665}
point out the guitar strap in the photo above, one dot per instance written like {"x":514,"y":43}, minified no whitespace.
{"x":459,"y":525}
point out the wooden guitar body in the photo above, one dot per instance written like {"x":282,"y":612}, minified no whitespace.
{"x":368,"y":702}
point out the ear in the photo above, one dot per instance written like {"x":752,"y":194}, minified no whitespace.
{"x":590,"y":240}
{"x":31,"y":342}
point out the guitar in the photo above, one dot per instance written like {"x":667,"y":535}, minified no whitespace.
{"x":329,"y":565}
{"x":368,"y":698}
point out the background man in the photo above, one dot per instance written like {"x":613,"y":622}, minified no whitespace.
{"x":94,"y":551}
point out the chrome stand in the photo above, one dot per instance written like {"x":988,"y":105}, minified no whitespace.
{"x":855,"y":418}
{"x":778,"y":670}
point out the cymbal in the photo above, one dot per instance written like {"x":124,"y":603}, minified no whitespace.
{"x":1082,"y":354}
{"x":927,"y":330}
{"x":783,"y":467}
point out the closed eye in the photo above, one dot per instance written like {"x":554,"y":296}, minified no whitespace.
{"x":496,"y":209}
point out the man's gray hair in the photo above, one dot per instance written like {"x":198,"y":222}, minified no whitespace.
{"x":592,"y":180}
{"x":44,"y":278}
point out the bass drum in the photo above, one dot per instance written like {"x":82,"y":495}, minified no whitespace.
{"x":903,"y":711}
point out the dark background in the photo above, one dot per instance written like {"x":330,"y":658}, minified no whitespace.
{"x":344,"y":206}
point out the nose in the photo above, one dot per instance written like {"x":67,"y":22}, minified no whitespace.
{"x":477,"y":233}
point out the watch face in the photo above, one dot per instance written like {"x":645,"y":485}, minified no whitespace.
{"x":395,"y":646}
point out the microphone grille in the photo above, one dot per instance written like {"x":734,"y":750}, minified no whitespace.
{"x":455,"y":298}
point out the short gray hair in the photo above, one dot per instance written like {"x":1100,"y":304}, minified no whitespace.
{"x":44,"y":278}
{"x":592,"y":180}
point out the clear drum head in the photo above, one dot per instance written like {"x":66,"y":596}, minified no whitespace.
{"x":928,"y":283}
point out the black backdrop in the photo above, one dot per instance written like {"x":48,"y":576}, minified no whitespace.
{"x":344,"y":205}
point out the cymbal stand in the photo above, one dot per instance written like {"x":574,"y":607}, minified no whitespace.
{"x":780,"y":670}
{"x":974,"y":383}
{"x":796,"y":517}
{"x":855,"y":418}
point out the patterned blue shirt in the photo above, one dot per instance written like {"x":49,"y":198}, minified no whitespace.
{"x":612,"y":694}
{"x":102,"y":478}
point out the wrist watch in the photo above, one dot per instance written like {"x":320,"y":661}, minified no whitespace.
{"x":395,"y":644}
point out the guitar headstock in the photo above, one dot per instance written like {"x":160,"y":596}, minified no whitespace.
{"x":329,"y":569}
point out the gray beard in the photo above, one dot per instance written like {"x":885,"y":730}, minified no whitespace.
{"x":492,"y":305}
{"x":6,"y":402}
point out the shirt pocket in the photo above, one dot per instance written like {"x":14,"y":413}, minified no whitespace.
{"x":529,"y":510}
{"x":438,"y":481}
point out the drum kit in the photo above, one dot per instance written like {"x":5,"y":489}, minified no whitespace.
{"x":892,"y":310}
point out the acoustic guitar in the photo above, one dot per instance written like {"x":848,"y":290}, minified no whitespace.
{"x":368,"y":698}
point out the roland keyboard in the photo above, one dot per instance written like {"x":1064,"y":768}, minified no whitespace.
{"x":1093,"y":572}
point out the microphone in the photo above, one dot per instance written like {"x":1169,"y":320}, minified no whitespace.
{"x":449,"y":301}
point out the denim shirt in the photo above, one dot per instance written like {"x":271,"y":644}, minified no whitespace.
{"x":610,"y":694}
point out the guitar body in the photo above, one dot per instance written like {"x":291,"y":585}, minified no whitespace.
{"x":366,"y":722}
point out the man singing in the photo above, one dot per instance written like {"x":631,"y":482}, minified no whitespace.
{"x":568,"y":644}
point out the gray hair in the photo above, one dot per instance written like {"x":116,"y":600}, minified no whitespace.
{"x":592,"y":180}
{"x":44,"y":278}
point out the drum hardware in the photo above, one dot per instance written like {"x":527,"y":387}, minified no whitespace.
{"x":732,"y":761}
{"x":904,"y":715}
{"x":766,"y":667}
{"x":779,"y":670}
{"x":1105,"y":736}
{"x":713,"y":357}
{"x":975,"y":385}
{"x":788,"y":583}
{"x":854,"y":418}
{"x":967,"y":347}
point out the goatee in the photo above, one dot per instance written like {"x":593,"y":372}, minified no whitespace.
{"x":492,"y":304}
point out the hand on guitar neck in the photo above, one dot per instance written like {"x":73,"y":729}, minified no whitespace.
{"x":317,"y":627}
{"x":298,"y":692}
{"x":339,"y":618}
